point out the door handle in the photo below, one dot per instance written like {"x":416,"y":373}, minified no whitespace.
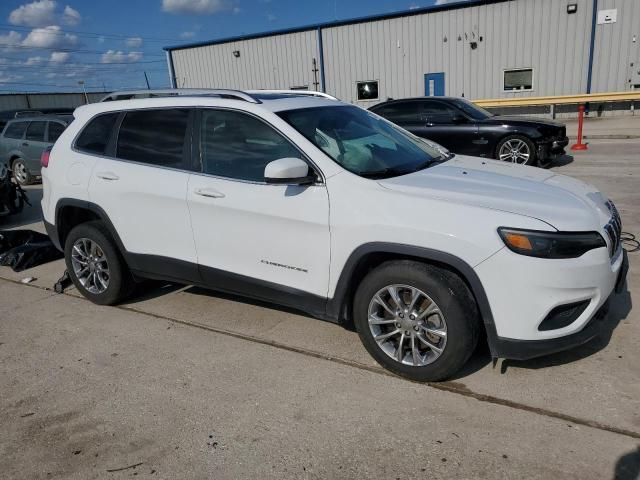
{"x":25,"y":144}
{"x":107,"y":176}
{"x":209,"y":192}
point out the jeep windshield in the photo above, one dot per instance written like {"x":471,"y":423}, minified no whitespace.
{"x":362,"y":142}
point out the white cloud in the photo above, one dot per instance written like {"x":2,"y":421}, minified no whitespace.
{"x":133,"y":42}
{"x":59,"y":57}
{"x":35,"y":61}
{"x":101,"y":39}
{"x":9,"y":39}
{"x":71,"y":16}
{"x":50,"y":37}
{"x":195,"y":6}
{"x":446,"y":2}
{"x":36,"y":14}
{"x":187,"y":35}
{"x":271,"y":17}
{"x":112,"y":56}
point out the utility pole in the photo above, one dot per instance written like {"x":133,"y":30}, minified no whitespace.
{"x":315,"y":75}
{"x":146,"y":79}
{"x":84,"y":90}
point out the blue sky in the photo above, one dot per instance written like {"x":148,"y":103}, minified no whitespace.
{"x":52,"y":45}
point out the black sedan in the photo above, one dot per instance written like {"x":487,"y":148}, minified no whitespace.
{"x":464,"y":128}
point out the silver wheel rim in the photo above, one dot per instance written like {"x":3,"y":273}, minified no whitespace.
{"x":20,"y":172}
{"x":407,"y":325}
{"x":90,"y":265}
{"x":515,"y":151}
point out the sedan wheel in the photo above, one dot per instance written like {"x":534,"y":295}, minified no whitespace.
{"x":515,"y":150}
{"x":407,"y":325}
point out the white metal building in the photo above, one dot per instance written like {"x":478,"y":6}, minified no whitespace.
{"x":480,"y":49}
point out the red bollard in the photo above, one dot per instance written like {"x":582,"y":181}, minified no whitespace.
{"x":579,"y":145}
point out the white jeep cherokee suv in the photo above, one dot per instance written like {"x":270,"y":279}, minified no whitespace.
{"x":308,"y":202}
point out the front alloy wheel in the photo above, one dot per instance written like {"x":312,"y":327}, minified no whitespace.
{"x":407,"y":325}
{"x":515,"y":150}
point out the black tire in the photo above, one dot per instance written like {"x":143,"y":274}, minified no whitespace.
{"x":24,"y":177}
{"x":120,"y":284}
{"x":451,"y":295}
{"x":533,"y":157}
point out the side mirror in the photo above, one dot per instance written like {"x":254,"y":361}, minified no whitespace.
{"x":458,"y":119}
{"x":288,"y":171}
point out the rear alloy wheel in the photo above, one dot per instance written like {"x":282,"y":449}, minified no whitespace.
{"x":517,"y":149}
{"x":95,"y":265}
{"x":416,"y":320}
{"x":21,"y":172}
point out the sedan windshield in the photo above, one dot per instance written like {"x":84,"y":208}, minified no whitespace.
{"x":362,"y":142}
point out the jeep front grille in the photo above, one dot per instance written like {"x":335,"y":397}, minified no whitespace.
{"x":613,"y":229}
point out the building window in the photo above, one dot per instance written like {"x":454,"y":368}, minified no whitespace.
{"x":518,"y":79}
{"x":367,"y":90}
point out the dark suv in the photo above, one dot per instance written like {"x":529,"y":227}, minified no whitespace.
{"x":465,"y":128}
{"x":24,"y":139}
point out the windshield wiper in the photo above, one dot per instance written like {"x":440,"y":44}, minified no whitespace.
{"x":382,"y":173}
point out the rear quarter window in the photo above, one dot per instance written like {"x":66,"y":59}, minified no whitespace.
{"x":95,"y":136}
{"x":15,"y":130}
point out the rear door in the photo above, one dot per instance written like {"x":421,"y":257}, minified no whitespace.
{"x":141,"y":183}
{"x":33,"y":145}
{"x":449,"y":127}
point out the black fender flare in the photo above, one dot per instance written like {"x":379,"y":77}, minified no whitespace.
{"x":55,"y":234}
{"x":336,"y":306}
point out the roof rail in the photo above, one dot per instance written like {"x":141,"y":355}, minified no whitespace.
{"x":181,"y":92}
{"x":311,"y":93}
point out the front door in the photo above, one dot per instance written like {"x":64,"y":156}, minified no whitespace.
{"x":450,"y":127}
{"x":267,"y":241}
{"x":434,"y":84}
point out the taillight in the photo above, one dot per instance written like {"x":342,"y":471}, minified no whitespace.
{"x":44,"y":158}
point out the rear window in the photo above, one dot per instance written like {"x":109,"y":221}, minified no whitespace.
{"x":95,"y":136}
{"x":55,"y":130}
{"x":35,"y":131}
{"x":15,"y":130}
{"x":155,"y":137}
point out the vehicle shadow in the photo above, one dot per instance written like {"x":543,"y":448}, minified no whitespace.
{"x":619,"y":308}
{"x":561,"y":161}
{"x":628,"y":466}
{"x":30,"y":214}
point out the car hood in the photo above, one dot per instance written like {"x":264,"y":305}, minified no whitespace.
{"x":563,"y":202}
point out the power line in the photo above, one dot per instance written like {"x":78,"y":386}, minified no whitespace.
{"x":61,"y":49}
{"x":116,"y":36}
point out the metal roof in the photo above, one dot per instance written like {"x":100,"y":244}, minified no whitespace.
{"x":337,"y":23}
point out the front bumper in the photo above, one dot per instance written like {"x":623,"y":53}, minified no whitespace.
{"x":522,"y":291}
{"x":549,"y":150}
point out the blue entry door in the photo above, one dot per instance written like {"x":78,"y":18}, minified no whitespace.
{"x":434,"y":84}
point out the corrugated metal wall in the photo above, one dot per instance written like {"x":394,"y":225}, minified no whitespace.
{"x":282,"y":61}
{"x":398,"y":52}
{"x":27,"y":101}
{"x":617,"y":47}
{"x":520,"y":34}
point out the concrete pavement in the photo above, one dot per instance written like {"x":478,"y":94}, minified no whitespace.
{"x":191,"y":363}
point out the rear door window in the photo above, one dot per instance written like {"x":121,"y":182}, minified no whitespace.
{"x":155,"y":137}
{"x":35,"y":131}
{"x":401,"y":113}
{"x":439,"y":112}
{"x":96,"y":135}
{"x":55,"y":130}
{"x":15,"y":130}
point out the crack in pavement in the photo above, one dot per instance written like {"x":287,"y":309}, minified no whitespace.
{"x":450,"y":387}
